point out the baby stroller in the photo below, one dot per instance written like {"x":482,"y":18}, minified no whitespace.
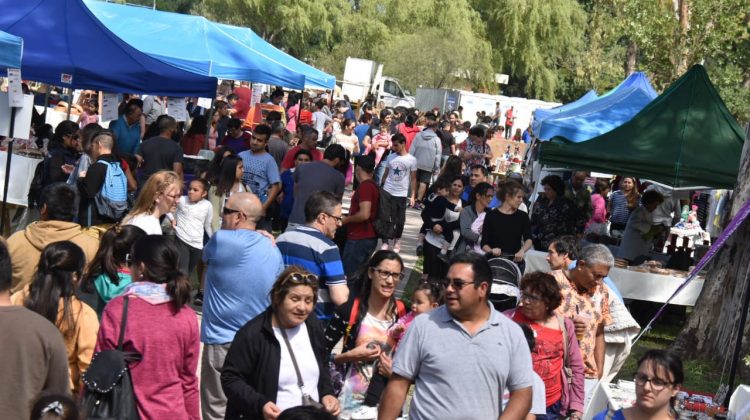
{"x":504,"y":293}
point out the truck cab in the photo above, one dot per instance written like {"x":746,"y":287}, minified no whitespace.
{"x":363,"y":77}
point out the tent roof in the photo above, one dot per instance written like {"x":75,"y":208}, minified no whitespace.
{"x":314,"y":78}
{"x":11,"y":49}
{"x":541,"y":114}
{"x":601,"y":115}
{"x":65,"y":45}
{"x":684,"y":138}
{"x":196,"y":44}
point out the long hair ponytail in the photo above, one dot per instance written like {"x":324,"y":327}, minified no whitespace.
{"x":110,"y":257}
{"x":60,"y":264}
{"x":161,"y":265}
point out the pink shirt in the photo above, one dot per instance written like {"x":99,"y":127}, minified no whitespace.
{"x":164,"y":381}
{"x":599,"y":214}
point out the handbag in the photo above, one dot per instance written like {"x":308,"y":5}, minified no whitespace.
{"x":307,"y":400}
{"x":108,"y":391}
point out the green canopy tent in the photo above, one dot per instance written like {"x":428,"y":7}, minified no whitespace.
{"x":685,"y":138}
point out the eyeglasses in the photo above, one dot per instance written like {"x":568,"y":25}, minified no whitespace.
{"x":172,"y":196}
{"x":530,"y":298}
{"x":339,"y":219}
{"x":385,"y":274}
{"x":299,"y":278}
{"x":457,"y":284}
{"x":226,"y":211}
{"x":656,"y":383}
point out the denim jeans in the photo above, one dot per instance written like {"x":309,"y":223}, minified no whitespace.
{"x":356,"y":254}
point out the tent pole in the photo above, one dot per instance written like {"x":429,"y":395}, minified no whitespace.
{"x":208,"y":126}
{"x":738,"y":342}
{"x":7,"y":168}
{"x":46,"y":102}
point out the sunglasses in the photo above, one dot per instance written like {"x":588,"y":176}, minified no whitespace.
{"x":226,"y":211}
{"x":457,"y":284}
{"x":299,"y":278}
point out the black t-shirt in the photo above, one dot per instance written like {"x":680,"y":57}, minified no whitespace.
{"x":447,"y":140}
{"x":506,"y":231}
{"x":158,"y":153}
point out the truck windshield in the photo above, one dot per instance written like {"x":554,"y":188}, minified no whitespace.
{"x":392,"y":88}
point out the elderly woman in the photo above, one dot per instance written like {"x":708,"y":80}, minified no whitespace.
{"x":279,"y":360}
{"x":553,"y":214}
{"x":506,"y":230}
{"x":556,"y":357}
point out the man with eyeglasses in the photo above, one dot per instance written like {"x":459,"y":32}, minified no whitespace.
{"x":464,"y":345}
{"x":242,"y":267}
{"x":311,"y":247}
{"x":585,"y":300}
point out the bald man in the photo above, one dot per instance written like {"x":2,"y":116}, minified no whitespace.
{"x":233,"y":296}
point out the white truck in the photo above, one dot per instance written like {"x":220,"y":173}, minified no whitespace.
{"x":473,"y":102}
{"x":363,"y":77}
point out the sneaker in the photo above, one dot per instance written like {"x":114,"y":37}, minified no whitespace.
{"x":198,"y":299}
{"x":420,"y":250}
{"x":365,"y":413}
{"x":397,"y":246}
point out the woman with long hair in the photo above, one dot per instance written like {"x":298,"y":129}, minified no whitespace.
{"x":214,"y":168}
{"x":157,"y":198}
{"x":657,"y":382}
{"x":108,"y":273}
{"x":228,"y":182}
{"x":481,"y":196}
{"x":51,"y":295}
{"x":195,"y":138}
{"x":161,"y":328}
{"x":363,"y":322}
{"x":623,"y":202}
{"x":260,"y":377}
{"x":62,"y":153}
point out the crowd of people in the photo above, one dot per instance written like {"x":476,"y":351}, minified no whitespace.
{"x":300,"y":318}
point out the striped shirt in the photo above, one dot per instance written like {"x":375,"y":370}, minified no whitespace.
{"x":311,"y":249}
{"x":619,"y":208}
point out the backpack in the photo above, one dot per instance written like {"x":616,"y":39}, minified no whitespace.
{"x":112,"y":199}
{"x":108,"y":389}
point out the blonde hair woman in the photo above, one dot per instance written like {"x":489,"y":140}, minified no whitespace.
{"x":158,"y":197}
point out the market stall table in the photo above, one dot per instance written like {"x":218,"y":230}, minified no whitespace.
{"x":635,"y":285}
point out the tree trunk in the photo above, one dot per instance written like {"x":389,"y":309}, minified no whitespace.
{"x":681,"y":49}
{"x":631,"y":58}
{"x":709,"y":331}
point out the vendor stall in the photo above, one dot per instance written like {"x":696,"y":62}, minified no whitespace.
{"x":635,"y":284}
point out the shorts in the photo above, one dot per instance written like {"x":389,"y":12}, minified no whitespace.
{"x":424,"y":177}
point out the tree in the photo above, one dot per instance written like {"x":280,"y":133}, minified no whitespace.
{"x":532,"y":40}
{"x":709,"y":331}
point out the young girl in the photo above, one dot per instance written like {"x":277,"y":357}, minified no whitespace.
{"x":229,"y":181}
{"x":193,"y":218}
{"x":108,"y":273}
{"x":427,"y":296}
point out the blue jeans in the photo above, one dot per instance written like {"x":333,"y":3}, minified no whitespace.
{"x":553,"y":412}
{"x":356,"y":254}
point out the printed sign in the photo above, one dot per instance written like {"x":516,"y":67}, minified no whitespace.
{"x":66,"y":78}
{"x":15,"y":90}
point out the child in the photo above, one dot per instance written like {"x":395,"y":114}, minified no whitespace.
{"x":427,"y":296}
{"x":193,"y":218}
{"x":380,"y":144}
{"x":434,"y":214}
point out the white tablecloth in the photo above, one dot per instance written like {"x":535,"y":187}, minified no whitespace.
{"x":633,"y":284}
{"x":21,"y":173}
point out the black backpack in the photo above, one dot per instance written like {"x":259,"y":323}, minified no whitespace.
{"x":108,"y":391}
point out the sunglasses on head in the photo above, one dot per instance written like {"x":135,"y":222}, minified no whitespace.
{"x":299,"y":278}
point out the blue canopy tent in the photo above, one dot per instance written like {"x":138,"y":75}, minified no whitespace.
{"x":66,"y":45}
{"x":314,"y":78}
{"x":601,"y":115}
{"x":11,"y":49}
{"x":540,"y":114}
{"x":196,"y":44}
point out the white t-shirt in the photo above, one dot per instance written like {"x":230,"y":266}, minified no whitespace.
{"x":538,"y":396}
{"x":319,"y":120}
{"x":192,"y":220}
{"x":288,"y":393}
{"x":399,"y":174}
{"x":147,"y":222}
{"x":348,"y":142}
